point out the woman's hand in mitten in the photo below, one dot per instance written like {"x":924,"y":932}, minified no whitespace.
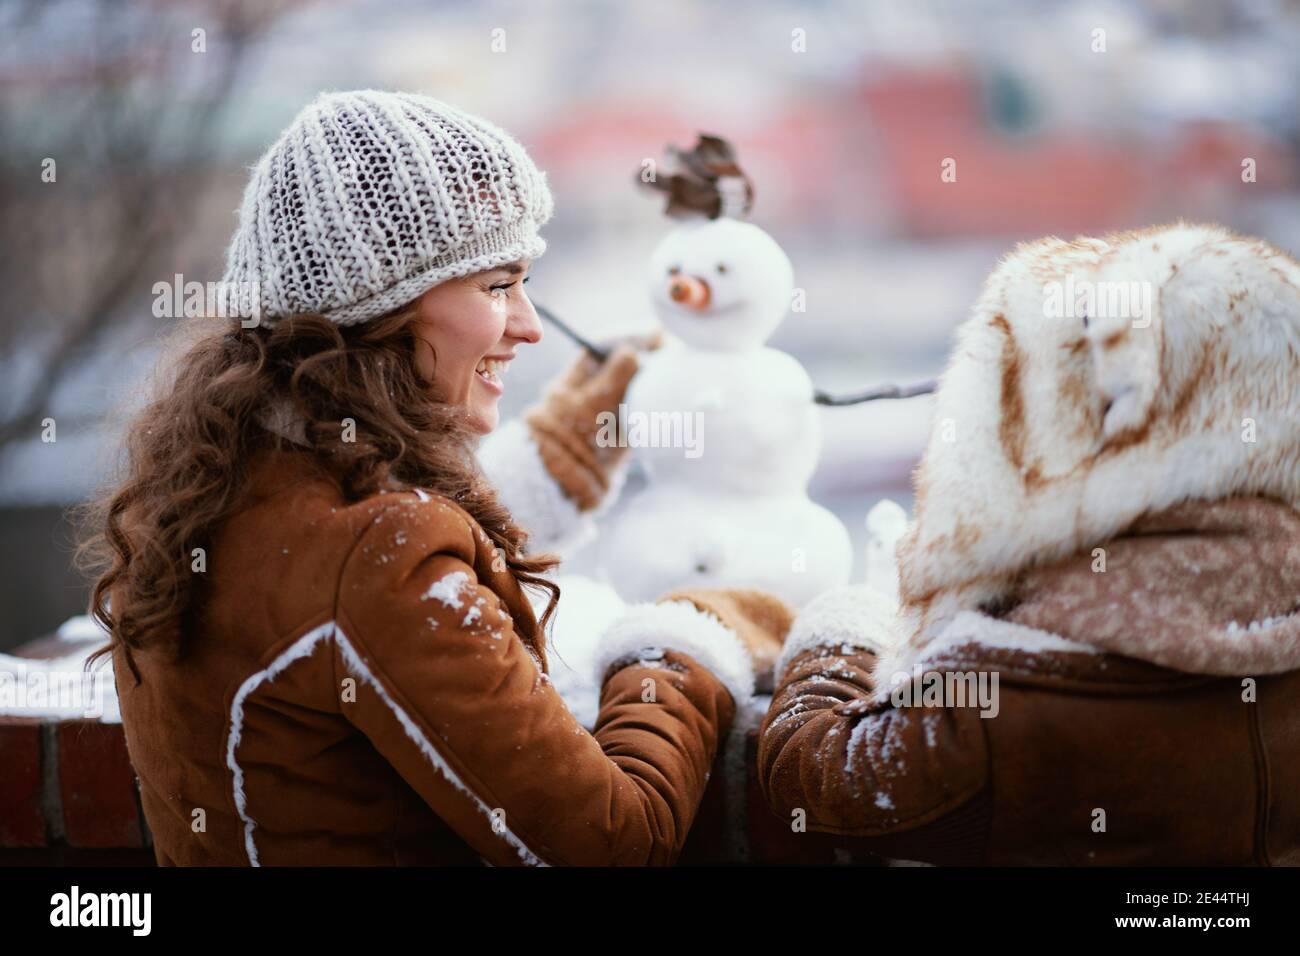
{"x":735,"y":634}
{"x":567,"y":422}
{"x":759,"y":619}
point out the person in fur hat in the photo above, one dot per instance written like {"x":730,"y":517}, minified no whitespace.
{"x":1096,"y":656}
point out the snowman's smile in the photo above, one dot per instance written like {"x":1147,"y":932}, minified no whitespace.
{"x":490,"y":370}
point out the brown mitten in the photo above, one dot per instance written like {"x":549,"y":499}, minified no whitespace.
{"x":760,"y":620}
{"x":566,"y":423}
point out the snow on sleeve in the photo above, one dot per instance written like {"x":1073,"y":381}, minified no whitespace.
{"x":453,"y":590}
{"x":448,"y":590}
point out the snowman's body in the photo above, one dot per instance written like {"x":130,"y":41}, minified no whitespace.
{"x":730,"y":508}
{"x":758,"y":428}
{"x":679,"y":536}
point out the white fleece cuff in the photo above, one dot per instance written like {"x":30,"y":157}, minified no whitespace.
{"x":680,"y":626}
{"x":857,"y":615}
{"x":513,"y":464}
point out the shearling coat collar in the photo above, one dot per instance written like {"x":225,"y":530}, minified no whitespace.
{"x":1203,"y":588}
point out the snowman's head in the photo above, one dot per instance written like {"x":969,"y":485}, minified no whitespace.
{"x":720,"y":284}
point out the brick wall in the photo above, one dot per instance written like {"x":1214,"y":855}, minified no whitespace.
{"x":68,"y":795}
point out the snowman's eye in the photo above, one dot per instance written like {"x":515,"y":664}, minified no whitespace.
{"x":673,"y":270}
{"x":722,"y":267}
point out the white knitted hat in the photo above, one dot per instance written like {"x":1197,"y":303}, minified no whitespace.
{"x":370,"y":198}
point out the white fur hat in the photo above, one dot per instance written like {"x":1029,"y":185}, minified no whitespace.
{"x":371,"y":198}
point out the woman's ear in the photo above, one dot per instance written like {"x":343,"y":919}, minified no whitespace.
{"x":425,"y":357}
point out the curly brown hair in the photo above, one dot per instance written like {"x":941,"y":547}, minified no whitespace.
{"x":188,"y":451}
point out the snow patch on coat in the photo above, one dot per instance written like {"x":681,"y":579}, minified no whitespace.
{"x":447,"y":589}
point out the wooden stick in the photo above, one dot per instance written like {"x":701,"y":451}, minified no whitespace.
{"x":554,"y":319}
{"x":883,"y":391}
{"x":820,"y":397}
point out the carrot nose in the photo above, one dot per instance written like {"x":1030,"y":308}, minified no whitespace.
{"x":689,"y":291}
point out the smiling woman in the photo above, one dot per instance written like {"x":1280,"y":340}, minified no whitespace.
{"x":320,"y":633}
{"x":467,"y":333}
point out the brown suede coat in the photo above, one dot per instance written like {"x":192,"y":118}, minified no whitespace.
{"x":360,"y":689}
{"x":1147,"y":714}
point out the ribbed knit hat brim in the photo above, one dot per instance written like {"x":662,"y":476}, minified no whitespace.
{"x":370,"y":198}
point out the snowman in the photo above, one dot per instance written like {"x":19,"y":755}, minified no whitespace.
{"x":729,"y":508}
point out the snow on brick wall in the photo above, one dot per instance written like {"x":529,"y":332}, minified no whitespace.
{"x":68,"y":793}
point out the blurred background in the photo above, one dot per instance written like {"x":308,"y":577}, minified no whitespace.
{"x":126,"y":130}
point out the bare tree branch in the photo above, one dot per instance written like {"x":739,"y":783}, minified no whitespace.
{"x":128,"y":114}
